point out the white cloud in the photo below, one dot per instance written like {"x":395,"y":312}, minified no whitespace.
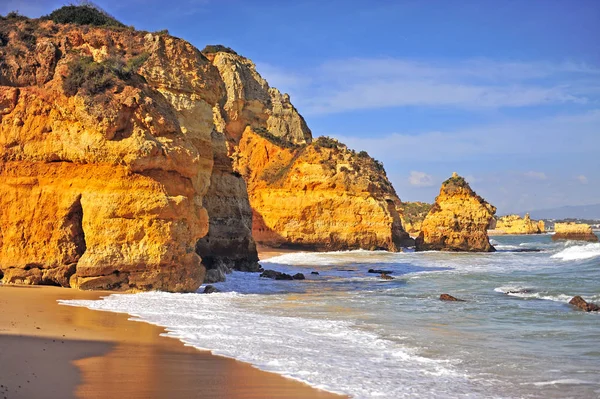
{"x":552,"y":135}
{"x":536,"y":175}
{"x":582,"y":179}
{"x":420,"y":179}
{"x":353,"y":84}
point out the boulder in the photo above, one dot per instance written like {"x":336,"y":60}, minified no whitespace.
{"x":385,"y":276}
{"x":447,"y":297}
{"x":579,"y":302}
{"x":209,"y":289}
{"x":379,"y":271}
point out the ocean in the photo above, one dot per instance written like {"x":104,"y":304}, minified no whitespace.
{"x":348,"y":331}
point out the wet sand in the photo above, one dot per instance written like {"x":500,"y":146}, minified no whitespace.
{"x":53,"y":351}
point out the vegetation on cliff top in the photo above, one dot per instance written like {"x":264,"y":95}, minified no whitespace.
{"x":217,"y":48}
{"x":86,"y":13}
{"x":96,"y":77}
{"x":415,"y":211}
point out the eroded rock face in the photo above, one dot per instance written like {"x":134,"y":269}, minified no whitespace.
{"x":514,"y":224}
{"x":104,"y":189}
{"x":574,"y":231}
{"x":251,"y":102}
{"x":229,"y":244}
{"x":319,"y":196}
{"x":458,"y":220}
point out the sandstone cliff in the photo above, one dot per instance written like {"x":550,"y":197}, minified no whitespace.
{"x":313,"y":195}
{"x":574,"y":231}
{"x":319,"y":196}
{"x":107,"y":146}
{"x":458,"y":220}
{"x":514,"y":224}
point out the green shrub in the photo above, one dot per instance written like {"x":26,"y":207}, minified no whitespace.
{"x":14,"y":15}
{"x":363,"y":154}
{"x":326,"y":142}
{"x":162,"y":32}
{"x":84,"y":14}
{"x":92,"y":77}
{"x":264,"y":133}
{"x":217,"y":48}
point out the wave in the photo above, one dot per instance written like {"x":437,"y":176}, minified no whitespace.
{"x":340,"y":356}
{"x":567,"y":381}
{"x":530,"y":293}
{"x":579,"y":252}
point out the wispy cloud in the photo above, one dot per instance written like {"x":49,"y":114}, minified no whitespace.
{"x":535,"y":175}
{"x":550,"y":135}
{"x":353,"y":84}
{"x":420,"y":179}
{"x":582,"y":179}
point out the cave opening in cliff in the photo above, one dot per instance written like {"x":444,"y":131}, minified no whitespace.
{"x":75,"y":221}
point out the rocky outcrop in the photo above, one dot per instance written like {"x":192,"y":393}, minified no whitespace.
{"x":229,"y":244}
{"x":412,"y":215}
{"x":574,"y":231}
{"x":312,"y":195}
{"x":251,"y":102}
{"x":106,"y":160}
{"x":514,"y":224}
{"x":580,"y":303}
{"x":450,"y":298}
{"x":458,"y":220}
{"x":320,"y":196}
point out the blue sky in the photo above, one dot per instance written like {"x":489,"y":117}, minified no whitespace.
{"x":506,"y":93}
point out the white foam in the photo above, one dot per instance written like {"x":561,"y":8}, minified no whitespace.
{"x":567,"y":381}
{"x":579,"y":252}
{"x":528,"y":293}
{"x":335,"y":355}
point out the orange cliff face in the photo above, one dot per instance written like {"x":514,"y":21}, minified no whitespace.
{"x":304,"y":194}
{"x":107,"y":146}
{"x":514,"y":224}
{"x":458,"y":220}
{"x":318,"y":196}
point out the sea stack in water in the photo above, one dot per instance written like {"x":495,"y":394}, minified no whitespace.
{"x":515,"y":224}
{"x":574,"y":231}
{"x":458,"y":220}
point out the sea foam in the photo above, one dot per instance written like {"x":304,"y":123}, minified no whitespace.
{"x":579,"y":252}
{"x":334,"y":355}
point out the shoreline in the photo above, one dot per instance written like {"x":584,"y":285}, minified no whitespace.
{"x":56,"y":351}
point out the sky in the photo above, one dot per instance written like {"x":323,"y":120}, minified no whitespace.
{"x":506,"y":93}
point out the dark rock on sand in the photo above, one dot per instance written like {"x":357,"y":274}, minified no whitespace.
{"x":315,"y":273}
{"x":275,"y":275}
{"x":209,"y":289}
{"x":446,"y":297}
{"x":378,"y":271}
{"x":583,"y":305}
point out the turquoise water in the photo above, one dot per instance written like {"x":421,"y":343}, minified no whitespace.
{"x":348,"y":331}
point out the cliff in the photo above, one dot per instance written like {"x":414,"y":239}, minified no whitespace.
{"x":574,"y":231}
{"x":514,"y":224}
{"x":413,"y":214}
{"x":319,"y":196}
{"x":458,"y":220}
{"x":107,"y":147}
{"x":311,"y":195}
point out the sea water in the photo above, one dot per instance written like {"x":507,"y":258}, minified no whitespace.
{"x":348,"y":331}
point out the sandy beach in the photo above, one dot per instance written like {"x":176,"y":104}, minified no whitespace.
{"x":52,"y":351}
